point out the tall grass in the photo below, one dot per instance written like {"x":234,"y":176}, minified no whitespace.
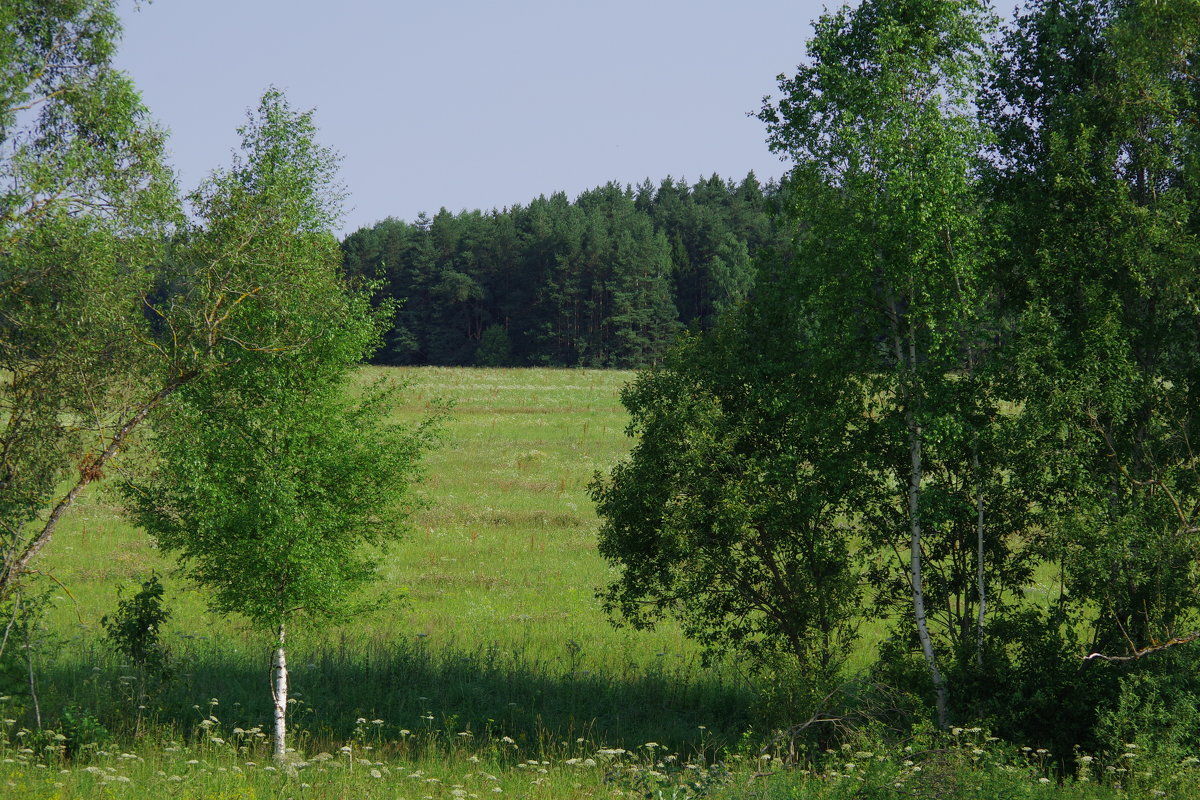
{"x":481,"y":664}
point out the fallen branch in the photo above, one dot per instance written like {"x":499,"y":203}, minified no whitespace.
{"x":1145,"y":651}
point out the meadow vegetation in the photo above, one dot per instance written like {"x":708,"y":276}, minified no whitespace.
{"x":917,"y":516}
{"x":483,"y":663}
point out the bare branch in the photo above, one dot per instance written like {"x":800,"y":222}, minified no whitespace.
{"x":1145,"y":651}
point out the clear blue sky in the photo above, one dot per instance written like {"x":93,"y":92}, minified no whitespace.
{"x":469,"y":104}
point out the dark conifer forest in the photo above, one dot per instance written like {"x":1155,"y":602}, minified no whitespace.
{"x":606,"y":280}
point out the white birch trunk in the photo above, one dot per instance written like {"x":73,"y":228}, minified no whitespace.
{"x":918,"y":584}
{"x":914,"y":516}
{"x":279,"y":689}
{"x":979,"y":556}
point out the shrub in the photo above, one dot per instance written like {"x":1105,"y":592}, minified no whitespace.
{"x":134,"y":627}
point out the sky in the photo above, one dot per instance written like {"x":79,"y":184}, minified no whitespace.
{"x":466,"y":104}
{"x":469,"y":104}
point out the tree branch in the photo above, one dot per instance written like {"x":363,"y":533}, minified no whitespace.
{"x":90,"y":469}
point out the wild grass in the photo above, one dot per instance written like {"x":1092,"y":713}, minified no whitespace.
{"x":483,"y":665}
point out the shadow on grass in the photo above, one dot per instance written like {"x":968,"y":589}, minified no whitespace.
{"x":420,"y":691}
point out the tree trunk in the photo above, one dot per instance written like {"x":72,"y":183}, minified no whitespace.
{"x":915,"y":475}
{"x":918,"y":585}
{"x":279,"y":689}
{"x":980,"y":577}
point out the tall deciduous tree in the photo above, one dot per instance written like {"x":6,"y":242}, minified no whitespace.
{"x":1097,"y":175}
{"x":891,"y":265}
{"x":855,"y":400}
{"x":85,"y":205}
{"x":268,"y":482}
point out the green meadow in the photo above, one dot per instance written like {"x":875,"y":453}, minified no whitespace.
{"x":481,"y":664}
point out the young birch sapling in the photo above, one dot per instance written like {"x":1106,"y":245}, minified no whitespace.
{"x":273,"y":486}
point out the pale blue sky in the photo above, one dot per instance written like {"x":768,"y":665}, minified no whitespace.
{"x":469,"y":104}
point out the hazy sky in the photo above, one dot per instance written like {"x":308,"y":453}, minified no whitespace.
{"x":469,"y":104}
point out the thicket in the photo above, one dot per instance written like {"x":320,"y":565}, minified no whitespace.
{"x":606,"y":280}
{"x":965,"y":409}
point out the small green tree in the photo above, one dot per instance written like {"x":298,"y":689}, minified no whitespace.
{"x":729,"y":514}
{"x":271,"y":485}
{"x":495,"y":348}
{"x":134,"y":628}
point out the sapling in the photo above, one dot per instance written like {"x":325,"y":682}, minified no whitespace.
{"x":274,"y":487}
{"x":134,"y":627}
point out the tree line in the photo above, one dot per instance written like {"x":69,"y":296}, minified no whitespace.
{"x":606,"y":280}
{"x":965,"y":410}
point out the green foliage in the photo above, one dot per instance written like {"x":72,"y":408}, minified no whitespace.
{"x":495,"y":348}
{"x":276,"y":489}
{"x":83,"y":732}
{"x":1095,"y":105}
{"x":270,"y":483}
{"x":878,"y":323}
{"x":1156,"y":709}
{"x":606,"y":280}
{"x":1036,"y":689}
{"x":134,"y":629}
{"x":86,"y":203}
{"x":995,"y":315}
{"x":111,"y":301}
{"x":282,"y":521}
{"x":727,"y":513}
{"x":960,"y":398}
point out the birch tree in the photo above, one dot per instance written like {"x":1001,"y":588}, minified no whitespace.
{"x":892,"y":265}
{"x":109,"y":302}
{"x":273,"y":487}
{"x":86,"y":202}
{"x":1095,"y":108}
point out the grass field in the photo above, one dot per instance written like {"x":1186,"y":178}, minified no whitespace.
{"x":488,"y":667}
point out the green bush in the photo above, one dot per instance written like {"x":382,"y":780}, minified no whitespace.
{"x":495,"y":348}
{"x":134,"y":628}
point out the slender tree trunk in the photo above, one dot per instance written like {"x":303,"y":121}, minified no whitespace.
{"x":279,"y":689}
{"x":979,"y":562}
{"x":33,"y":695}
{"x":918,"y":584}
{"x":915,"y":476}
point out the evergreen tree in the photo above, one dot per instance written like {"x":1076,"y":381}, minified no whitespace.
{"x":571,"y":282}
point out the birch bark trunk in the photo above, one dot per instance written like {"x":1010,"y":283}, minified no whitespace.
{"x":979,"y":562}
{"x":279,"y":689}
{"x":908,"y":363}
{"x":918,"y":585}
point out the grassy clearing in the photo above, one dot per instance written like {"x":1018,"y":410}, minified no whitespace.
{"x":488,"y":668}
{"x":487,"y":621}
